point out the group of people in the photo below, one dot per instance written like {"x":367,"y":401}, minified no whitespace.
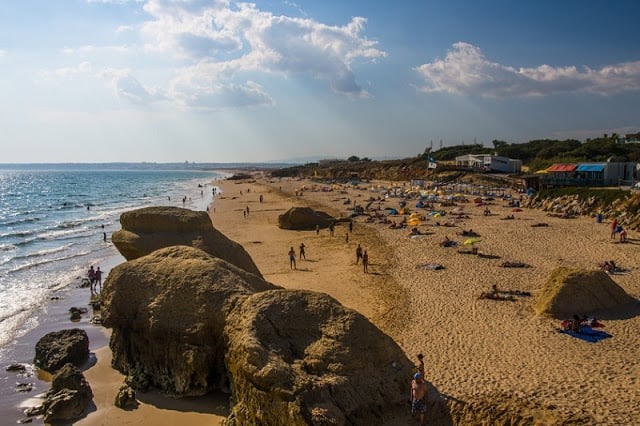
{"x":616,"y":228}
{"x":95,"y":278}
{"x":361,"y":255}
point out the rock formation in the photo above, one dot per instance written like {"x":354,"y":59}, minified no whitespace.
{"x":303,"y":357}
{"x":57,"y":348}
{"x":167,"y":311}
{"x":304,"y":219}
{"x":68,"y":398}
{"x":573,"y":291}
{"x":148,"y":229}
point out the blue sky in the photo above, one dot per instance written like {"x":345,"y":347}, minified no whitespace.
{"x":222,"y":81}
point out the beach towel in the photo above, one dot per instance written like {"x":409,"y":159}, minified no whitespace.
{"x":588,"y":334}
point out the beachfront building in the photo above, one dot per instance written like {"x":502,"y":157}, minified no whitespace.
{"x":590,"y":174}
{"x":489,"y":163}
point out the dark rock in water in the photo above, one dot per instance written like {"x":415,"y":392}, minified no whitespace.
{"x":69,"y":396}
{"x":16,"y":368}
{"x":167,"y":311}
{"x":148,"y":229}
{"x":78,"y":310}
{"x":57,"y":348}
{"x":304,"y":219}
{"x":126,"y":398}
{"x":24,"y":387}
{"x":299,"y":357}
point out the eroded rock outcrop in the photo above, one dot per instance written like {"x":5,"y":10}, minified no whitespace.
{"x":57,"y":348}
{"x":304,"y":219}
{"x":574,"y":291}
{"x":68,"y":398}
{"x":300,"y":357}
{"x":151,"y":228}
{"x":168,"y":310}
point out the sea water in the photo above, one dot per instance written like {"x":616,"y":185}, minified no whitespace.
{"x":53,"y":222}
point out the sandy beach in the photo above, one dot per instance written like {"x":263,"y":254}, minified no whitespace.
{"x":497,"y":352}
{"x":474,"y":349}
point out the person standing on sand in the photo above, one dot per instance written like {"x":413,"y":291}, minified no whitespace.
{"x":614,"y":226}
{"x":418,"y":397}
{"x":358,"y":253}
{"x":302,"y":254}
{"x":98,"y":276}
{"x":331,"y":229}
{"x":350,"y":226}
{"x":91,"y":274}
{"x":365,"y":262}
{"x":317,"y":229}
{"x":292,"y":258}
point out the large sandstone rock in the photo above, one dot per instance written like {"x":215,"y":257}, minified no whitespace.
{"x":573,"y":291}
{"x":304,"y":219}
{"x":57,"y":348}
{"x":168,"y":311}
{"x":300,"y":357}
{"x":148,"y":229}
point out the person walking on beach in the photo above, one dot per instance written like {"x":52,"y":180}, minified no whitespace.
{"x":91,"y":274}
{"x":317,"y":229}
{"x":350,"y":226}
{"x":331,"y":229}
{"x":302,"y":254}
{"x":365,"y":262}
{"x":292,"y":258}
{"x":614,"y":227}
{"x":418,"y":397}
{"x":358,"y":253}
{"x":98,"y":278}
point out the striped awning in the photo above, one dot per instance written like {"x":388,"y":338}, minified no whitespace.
{"x":562,"y":168}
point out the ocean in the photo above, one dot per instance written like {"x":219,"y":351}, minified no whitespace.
{"x":53,"y":221}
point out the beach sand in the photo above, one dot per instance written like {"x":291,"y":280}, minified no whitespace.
{"x":475,"y":350}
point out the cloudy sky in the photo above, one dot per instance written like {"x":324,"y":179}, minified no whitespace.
{"x":226,"y":81}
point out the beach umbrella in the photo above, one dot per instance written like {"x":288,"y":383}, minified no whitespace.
{"x":470,"y":241}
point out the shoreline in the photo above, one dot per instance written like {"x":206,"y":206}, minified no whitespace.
{"x":496,"y":353}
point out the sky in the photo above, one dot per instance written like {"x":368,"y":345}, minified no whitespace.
{"x":226,"y":81}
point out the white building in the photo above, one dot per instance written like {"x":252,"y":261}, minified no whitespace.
{"x":489,"y":163}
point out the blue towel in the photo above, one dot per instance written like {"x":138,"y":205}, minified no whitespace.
{"x":588,"y":334}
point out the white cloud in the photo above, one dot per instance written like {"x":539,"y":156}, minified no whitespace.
{"x":124,"y":28}
{"x":223,"y":48}
{"x":91,"y":49}
{"x":465,"y":70}
{"x":3,"y":53}
{"x":84,"y":68}
{"x":225,"y":40}
{"x":129,"y":88}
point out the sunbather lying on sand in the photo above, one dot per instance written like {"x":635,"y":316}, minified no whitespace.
{"x":469,"y":233}
{"x":508,"y":264}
